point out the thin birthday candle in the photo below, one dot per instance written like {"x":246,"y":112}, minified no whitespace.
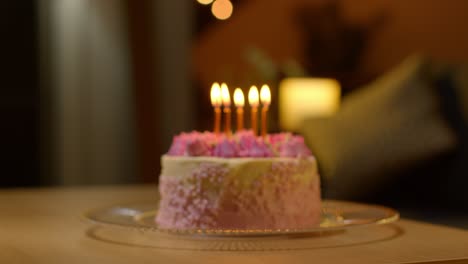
{"x":265,"y":97}
{"x":226,"y":99}
{"x":253,"y":102}
{"x":239,"y":101}
{"x":216,"y":103}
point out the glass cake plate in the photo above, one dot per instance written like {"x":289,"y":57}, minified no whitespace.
{"x":336,"y":215}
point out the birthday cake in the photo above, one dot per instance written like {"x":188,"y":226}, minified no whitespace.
{"x":239,"y":181}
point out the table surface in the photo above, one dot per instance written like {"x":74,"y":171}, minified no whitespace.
{"x":45,"y":226}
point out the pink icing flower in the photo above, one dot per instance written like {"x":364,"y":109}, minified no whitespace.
{"x":178,"y":145}
{"x":244,"y":133}
{"x":226,"y":148}
{"x":211,"y":138}
{"x":245,"y":141}
{"x":194,"y":144}
{"x":241,"y":144}
{"x":294,"y":147}
{"x":277,"y":140}
{"x":198,"y":147}
{"x":260,"y":149}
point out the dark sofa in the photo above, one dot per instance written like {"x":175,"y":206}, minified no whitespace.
{"x":401,"y":141}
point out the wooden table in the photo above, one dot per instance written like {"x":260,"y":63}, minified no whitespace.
{"x":44,"y":226}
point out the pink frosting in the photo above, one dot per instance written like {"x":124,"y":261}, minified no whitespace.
{"x":198,"y":147}
{"x":294,"y":147}
{"x":209,"y":198}
{"x":240,"y":144}
{"x":227,"y":148}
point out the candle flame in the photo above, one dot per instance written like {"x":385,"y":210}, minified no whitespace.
{"x":253,"y":96}
{"x":265,"y":95}
{"x":225,"y":97}
{"x":215,"y":95}
{"x":239,"y":100}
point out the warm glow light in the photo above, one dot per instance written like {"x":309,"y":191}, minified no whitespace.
{"x":239,"y":100}
{"x":222,"y":9}
{"x":205,"y":2}
{"x":225,"y":97}
{"x":253,"y":96}
{"x":301,"y":98}
{"x":265,"y":95}
{"x":215,"y":95}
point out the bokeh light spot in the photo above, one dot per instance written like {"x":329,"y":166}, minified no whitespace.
{"x":222,"y":9}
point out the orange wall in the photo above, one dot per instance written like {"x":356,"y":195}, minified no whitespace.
{"x":435,"y":27}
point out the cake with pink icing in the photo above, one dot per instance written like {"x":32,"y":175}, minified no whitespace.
{"x":211,"y":181}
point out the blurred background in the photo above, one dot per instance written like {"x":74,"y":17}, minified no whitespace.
{"x":94,"y":90}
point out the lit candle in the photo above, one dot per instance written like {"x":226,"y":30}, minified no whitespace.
{"x":265,"y":97}
{"x":253,"y":102}
{"x":216,"y":103}
{"x":226,"y":99}
{"x":239,"y":102}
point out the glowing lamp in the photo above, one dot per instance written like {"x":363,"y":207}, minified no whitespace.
{"x":301,"y":98}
